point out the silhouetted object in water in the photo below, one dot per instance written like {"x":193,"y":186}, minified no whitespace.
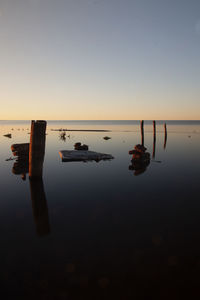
{"x":142,"y":131}
{"x":37,"y":148}
{"x":23,"y":176}
{"x":21,"y":166}
{"x":83,"y":155}
{"x":78,"y":146}
{"x":139,"y":148}
{"x":9,"y":135}
{"x":9,"y":159}
{"x":107,"y":138}
{"x":165,"y":138}
{"x":154,"y":139}
{"x":140,"y":159}
{"x":20,"y":150}
{"x":39,"y":206}
{"x":63,"y":136}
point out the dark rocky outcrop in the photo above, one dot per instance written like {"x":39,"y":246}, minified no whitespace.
{"x":21,"y":166}
{"x":78,"y":146}
{"x":140,"y":159}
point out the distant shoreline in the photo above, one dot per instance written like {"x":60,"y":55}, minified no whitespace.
{"x":92,"y":130}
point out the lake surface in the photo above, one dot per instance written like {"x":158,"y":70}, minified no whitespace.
{"x":95,"y":230}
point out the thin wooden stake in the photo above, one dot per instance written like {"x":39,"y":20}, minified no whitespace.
{"x":142,"y":132}
{"x":154,"y":139}
{"x":165,"y":138}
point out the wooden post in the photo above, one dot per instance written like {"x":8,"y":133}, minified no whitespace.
{"x":37,"y":149}
{"x":165,"y":139}
{"x":39,"y":206}
{"x":142,"y":132}
{"x":154,"y":139}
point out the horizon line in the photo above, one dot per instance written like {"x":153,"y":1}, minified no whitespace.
{"x":102,"y":119}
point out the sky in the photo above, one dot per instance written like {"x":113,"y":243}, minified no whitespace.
{"x":100,"y":59}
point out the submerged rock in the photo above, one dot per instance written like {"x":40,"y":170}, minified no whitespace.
{"x":79,"y":147}
{"x":8,"y":135}
{"x":107,"y":138}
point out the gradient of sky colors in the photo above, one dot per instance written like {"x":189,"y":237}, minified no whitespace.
{"x":100,"y":59}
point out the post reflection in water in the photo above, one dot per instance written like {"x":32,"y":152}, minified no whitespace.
{"x":38,"y":198}
{"x":30,"y":159}
{"x":39,"y":206}
{"x":154,"y":147}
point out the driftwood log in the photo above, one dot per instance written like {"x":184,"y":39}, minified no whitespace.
{"x":81,"y":155}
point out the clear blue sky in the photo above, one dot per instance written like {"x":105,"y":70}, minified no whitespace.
{"x":100,"y":59}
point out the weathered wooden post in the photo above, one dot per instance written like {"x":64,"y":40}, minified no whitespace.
{"x":142,"y":132}
{"x":39,"y":206}
{"x":165,"y":139}
{"x":154,"y":139}
{"x":37,"y":149}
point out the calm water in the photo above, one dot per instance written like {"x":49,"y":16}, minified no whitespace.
{"x":95,"y":230}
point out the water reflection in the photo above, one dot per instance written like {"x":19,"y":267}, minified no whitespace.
{"x":154,"y":146}
{"x":24,"y":164}
{"x":38,"y":197}
{"x":39,"y":206}
{"x":20,"y":167}
{"x":112,"y":238}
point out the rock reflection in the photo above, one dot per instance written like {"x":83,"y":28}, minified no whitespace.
{"x":140,"y":159}
{"x":20,"y":167}
{"x":39,"y":206}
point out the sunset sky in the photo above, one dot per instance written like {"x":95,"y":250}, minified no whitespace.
{"x":100,"y":59}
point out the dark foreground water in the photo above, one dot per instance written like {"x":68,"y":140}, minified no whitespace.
{"x":95,"y":230}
